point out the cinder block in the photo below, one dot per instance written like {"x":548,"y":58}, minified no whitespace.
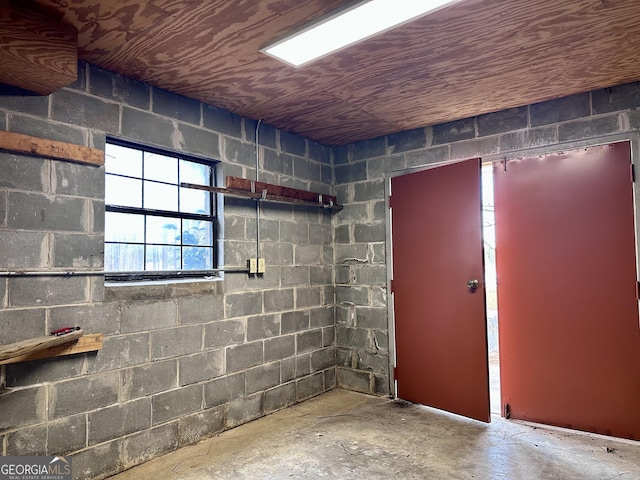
{"x":278,"y":300}
{"x":263,"y":326}
{"x":307,"y":170}
{"x":97,"y":219}
{"x":369,"y":274}
{"x":40,"y":371}
{"x":353,"y":380}
{"x":294,"y":321}
{"x":502,"y":121}
{"x":288,"y":369}
{"x":149,"y":444}
{"x":561,"y":109}
{"x":3,"y":209}
{"x":223,"y":333}
{"x":381,"y":385}
{"x":378,"y":296}
{"x":279,"y":348}
{"x":243,"y":304}
{"x":308,"y":254}
{"x":319,"y":152}
{"x":244,"y":356}
{"x":83,"y":394}
{"x":423,"y":157}
{"x":176,"y":106}
{"x":202,"y":366}
{"x":116,"y":87}
{"x":368,"y":148}
{"x":308,"y":297}
{"x":475,"y":148}
{"x":93,"y":318}
{"x":78,"y":250}
{"x":24,"y":249}
{"x":119,"y":420}
{"x":278,"y":162}
{"x":341,"y":155}
{"x":149,"y":379}
{"x":147,"y":128}
{"x":343,"y":234}
{"x":200,"y":141}
{"x":326,"y":175}
{"x":46,"y":129}
{"x":586,"y":128}
{"x":303,"y":365}
{"x":137,"y":317}
{"x":28,"y":441}
{"x":294,"y":276}
{"x":367,"y":191}
{"x":81,"y":77}
{"x":223,"y":390}
{"x":100,"y":461}
{"x":222,"y":121}
{"x":278,"y":254}
{"x":310,"y":386}
{"x":352,"y":337}
{"x":78,"y":109}
{"x":195,"y":427}
{"x":320,"y":234}
{"x":294,"y":144}
{"x":266,"y":133}
{"x":31,"y":211}
{"x":176,"y":342}
{"x":322,"y":359}
{"x":380,"y":340}
{"x":294,"y":232}
{"x":234,"y":227}
{"x":78,"y":179}
{"x":373,"y":362}
{"x":321,"y":275}
{"x":351,"y":295}
{"x":119,"y":352}
{"x":309,"y":340}
{"x":371,"y":318}
{"x":23,"y":407}
{"x":42,"y":291}
{"x":322,"y":317}
{"x":456,"y":131}
{"x":66,"y":435}
{"x":32,"y":104}
{"x":613,"y":99}
{"x":279,"y":397}
{"x":369,"y":232}
{"x":20,"y":325}
{"x":21,"y":172}
{"x":239,"y":152}
{"x":354,"y":213}
{"x":243,"y":410}
{"x":355,"y":172}
{"x":535,"y":137}
{"x":330,"y":378}
{"x":176,"y":403}
{"x":407,"y":140}
{"x":262,"y":377}
{"x":346,"y":357}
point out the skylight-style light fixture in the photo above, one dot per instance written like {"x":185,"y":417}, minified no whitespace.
{"x":346,"y":26}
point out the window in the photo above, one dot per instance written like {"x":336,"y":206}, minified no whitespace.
{"x":154,"y":228}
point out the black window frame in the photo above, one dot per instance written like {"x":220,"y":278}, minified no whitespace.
{"x":152,"y":275}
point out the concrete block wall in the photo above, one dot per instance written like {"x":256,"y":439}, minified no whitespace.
{"x":362,"y":344}
{"x":180,"y":360}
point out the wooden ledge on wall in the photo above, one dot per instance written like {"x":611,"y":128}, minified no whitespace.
{"x":36,"y":53}
{"x":50,"y":346}
{"x":16,"y":142}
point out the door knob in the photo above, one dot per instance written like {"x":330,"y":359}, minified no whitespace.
{"x":473,"y":284}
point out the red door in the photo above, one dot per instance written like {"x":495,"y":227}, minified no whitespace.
{"x":440,"y":326}
{"x":567,"y":300}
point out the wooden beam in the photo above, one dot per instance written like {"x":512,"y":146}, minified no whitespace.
{"x":86,"y":343}
{"x":237,"y":183}
{"x":30,"y":345}
{"x":36,"y":53}
{"x":16,"y":142}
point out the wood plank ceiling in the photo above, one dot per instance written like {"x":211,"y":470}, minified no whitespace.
{"x":473,"y":57}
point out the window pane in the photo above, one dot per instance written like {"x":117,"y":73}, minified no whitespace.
{"x":197,"y":258}
{"x":163,"y":258}
{"x":123,"y":191}
{"x":195,"y":201}
{"x":163,"y":230}
{"x":158,"y":196}
{"x":123,"y":160}
{"x":123,"y":257}
{"x":160,"y":167}
{"x":192,"y":172}
{"x":123,"y":227}
{"x":197,"y":232}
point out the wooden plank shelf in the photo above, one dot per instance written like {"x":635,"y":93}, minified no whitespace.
{"x":240,"y":187}
{"x":42,"y":147}
{"x":50,"y":346}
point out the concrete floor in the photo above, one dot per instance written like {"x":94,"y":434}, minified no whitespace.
{"x":347,"y":435}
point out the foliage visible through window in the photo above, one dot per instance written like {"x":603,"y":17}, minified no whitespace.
{"x":151,"y":223}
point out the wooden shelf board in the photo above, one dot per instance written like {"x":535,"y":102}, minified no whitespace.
{"x":49,"y":346}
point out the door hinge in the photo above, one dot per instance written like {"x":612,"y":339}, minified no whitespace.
{"x":633,"y":173}
{"x":507,"y":411}
{"x":638,"y":290}
{"x":395,"y":373}
{"x":390,"y":204}
{"x":391,"y":285}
